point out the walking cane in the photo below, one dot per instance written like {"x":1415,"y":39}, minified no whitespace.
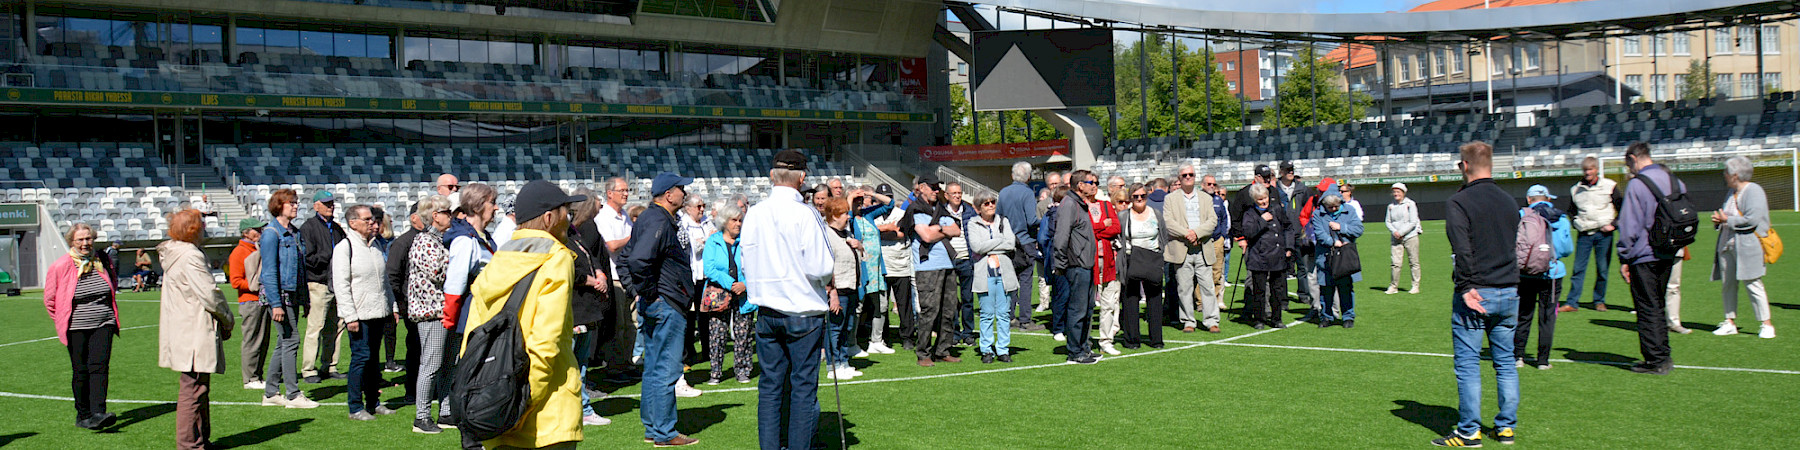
{"x":1234,"y":286}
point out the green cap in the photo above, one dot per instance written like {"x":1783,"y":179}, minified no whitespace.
{"x":250,"y":223}
{"x":324,"y":196}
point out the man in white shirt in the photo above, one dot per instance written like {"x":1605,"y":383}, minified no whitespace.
{"x":615,"y":229}
{"x":787,"y":266}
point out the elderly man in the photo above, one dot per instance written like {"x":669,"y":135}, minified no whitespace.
{"x":614,"y":226}
{"x":934,"y":272}
{"x":962,"y":317}
{"x":1052,"y":180}
{"x":836,"y":186}
{"x":1595,"y":202}
{"x":1644,"y":264}
{"x":787,"y":266}
{"x":1075,"y":249}
{"x":319,"y":235}
{"x":1016,"y":205}
{"x":1189,"y":220}
{"x":662,"y":279}
{"x":448,"y":184}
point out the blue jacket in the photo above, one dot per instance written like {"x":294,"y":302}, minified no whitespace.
{"x":1046,"y":227}
{"x":1223,"y":230}
{"x":280,"y":263}
{"x":1351,"y":227}
{"x":1018,"y":204}
{"x":658,"y":259}
{"x":717,"y":260}
{"x":1560,"y":239}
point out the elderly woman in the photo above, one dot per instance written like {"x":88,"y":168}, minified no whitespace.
{"x":194,"y":321}
{"x":82,"y":301}
{"x":990,"y":240}
{"x":1739,"y":261}
{"x":1334,"y":225}
{"x":1141,"y":265}
{"x":590,"y":301}
{"x":425,"y":304}
{"x":1267,"y":249}
{"x":846,"y":252}
{"x":356,"y":277}
{"x":723,"y":266}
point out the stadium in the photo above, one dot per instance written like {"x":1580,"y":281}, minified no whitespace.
{"x":116,"y":114}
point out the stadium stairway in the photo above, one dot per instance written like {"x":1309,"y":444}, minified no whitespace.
{"x":199,"y":179}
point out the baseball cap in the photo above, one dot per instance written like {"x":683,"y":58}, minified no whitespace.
{"x":667,"y":180}
{"x":884,"y":190}
{"x":539,"y":197}
{"x":790,"y":159}
{"x":250,"y":223}
{"x":324,"y":196}
{"x":1287,"y":167}
{"x":928,"y":178}
{"x":1400,"y":186}
{"x":1264,"y":171}
{"x":1538,"y":190}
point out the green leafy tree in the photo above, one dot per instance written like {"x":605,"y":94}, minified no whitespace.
{"x":1700,"y":81}
{"x":1195,"y":67}
{"x":1314,"y":79}
{"x":962,"y":127}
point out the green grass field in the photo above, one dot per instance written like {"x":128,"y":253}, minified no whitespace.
{"x":1386,"y":383}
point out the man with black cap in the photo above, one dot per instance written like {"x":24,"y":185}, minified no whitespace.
{"x":318,"y":236}
{"x":662,"y":278}
{"x":537,"y":249}
{"x":787,"y":266}
{"x":934,"y":272}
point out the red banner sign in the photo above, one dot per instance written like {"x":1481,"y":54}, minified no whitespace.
{"x":995,"y":151}
{"x":912,"y":77}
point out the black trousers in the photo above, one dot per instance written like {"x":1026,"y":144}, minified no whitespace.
{"x":902,"y":290}
{"x":1268,"y":296}
{"x":618,"y":330}
{"x":937,"y":312}
{"x":412,"y":355}
{"x":1537,"y":297}
{"x":90,"y":357}
{"x":1151,"y":292}
{"x":1649,"y":290}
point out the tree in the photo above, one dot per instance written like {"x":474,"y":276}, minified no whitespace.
{"x":1195,"y":68}
{"x":1314,"y":79}
{"x":962,"y":129}
{"x":1700,"y":81}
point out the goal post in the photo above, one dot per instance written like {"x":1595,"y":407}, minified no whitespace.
{"x":1777,"y":170}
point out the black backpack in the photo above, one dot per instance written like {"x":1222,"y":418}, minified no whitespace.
{"x":1675,"y":223}
{"x":490,"y":386}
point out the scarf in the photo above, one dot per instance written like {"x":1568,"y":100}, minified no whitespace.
{"x":86,"y":263}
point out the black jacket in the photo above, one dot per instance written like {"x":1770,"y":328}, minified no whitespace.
{"x":1241,"y":202}
{"x":589,"y":304}
{"x":1268,"y":241}
{"x":1482,"y":222}
{"x":317,"y":238}
{"x":398,"y":263}
{"x":657,"y":258}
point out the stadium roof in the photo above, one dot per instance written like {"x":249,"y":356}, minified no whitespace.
{"x":1363,"y":55}
{"x":1449,"y":20}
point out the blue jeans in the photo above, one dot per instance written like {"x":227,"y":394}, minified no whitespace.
{"x":1329,"y":296}
{"x":840,"y":330}
{"x":365,"y":375}
{"x":1022,"y":302}
{"x":1078,"y":309}
{"x":996,"y":320}
{"x":662,"y":334}
{"x":965,"y":308}
{"x":788,"y":393}
{"x":1466,"y":329}
{"x":1600,"y":244}
{"x":584,"y":344}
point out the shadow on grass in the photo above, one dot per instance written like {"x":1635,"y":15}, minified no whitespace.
{"x":613,"y":406}
{"x":15,"y":437}
{"x":828,"y":435}
{"x":1784,"y":305}
{"x":261,"y":435}
{"x":692,"y":421}
{"x":1437,"y":419}
{"x":1627,"y":325}
{"x":142,"y":413}
{"x":325,"y":392}
{"x":1616,"y":360}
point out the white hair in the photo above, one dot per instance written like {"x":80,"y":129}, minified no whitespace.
{"x":1740,"y":167}
{"x":1021,"y":171}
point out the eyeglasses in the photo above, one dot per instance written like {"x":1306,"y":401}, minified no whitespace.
{"x":986,"y":203}
{"x":1139,"y":196}
{"x":1187,"y":175}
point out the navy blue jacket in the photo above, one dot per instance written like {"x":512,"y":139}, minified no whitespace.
{"x":657,"y":258}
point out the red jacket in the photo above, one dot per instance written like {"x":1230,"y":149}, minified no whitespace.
{"x":235,"y":271}
{"x":59,"y":294}
{"x":1105,"y":229}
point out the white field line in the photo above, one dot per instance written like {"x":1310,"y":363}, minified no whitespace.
{"x":1442,"y":355}
{"x":52,"y":338}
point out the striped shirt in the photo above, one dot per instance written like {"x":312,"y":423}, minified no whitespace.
{"x":92,"y":306}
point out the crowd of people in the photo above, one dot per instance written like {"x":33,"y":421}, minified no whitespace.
{"x":810,"y":276}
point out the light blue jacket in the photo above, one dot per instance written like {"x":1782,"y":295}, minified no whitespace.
{"x":1323,"y":238}
{"x":1561,"y":240}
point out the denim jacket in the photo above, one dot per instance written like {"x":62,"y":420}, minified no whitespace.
{"x":280,"y":262}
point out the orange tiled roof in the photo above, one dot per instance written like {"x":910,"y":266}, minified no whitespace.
{"x":1360,"y":55}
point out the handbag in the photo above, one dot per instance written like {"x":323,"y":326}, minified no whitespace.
{"x":715,"y":298}
{"x":1343,"y":261}
{"x":1771,"y":245}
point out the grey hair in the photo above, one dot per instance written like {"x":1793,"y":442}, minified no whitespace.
{"x":1021,"y":171}
{"x":364,"y":208}
{"x":1121,"y":179}
{"x":786,"y":177}
{"x":1590,"y":162}
{"x":1186,"y":166}
{"x":431,"y":205}
{"x":693,"y":200}
{"x":725,"y":212}
{"x":1259,"y":191}
{"x":985,"y":196}
{"x":613,"y":183}
{"x":1331,"y":201}
{"x":1740,"y":167}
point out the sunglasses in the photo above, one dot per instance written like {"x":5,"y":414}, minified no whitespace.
{"x":1212,"y":184}
{"x":1139,"y":196}
{"x":1187,"y":175}
{"x":453,"y":188}
{"x":1090,"y":182}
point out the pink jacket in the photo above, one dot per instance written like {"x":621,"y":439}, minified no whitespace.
{"x":59,"y":294}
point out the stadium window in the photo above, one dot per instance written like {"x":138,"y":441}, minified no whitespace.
{"x":248,"y":40}
{"x":1635,"y":82}
{"x":1437,"y":66}
{"x":352,"y":45}
{"x":276,"y":42}
{"x":1659,"y":84}
{"x":1746,"y":39}
{"x":380,"y":46}
{"x":315,"y":43}
{"x":1721,"y":41}
{"x":1722,"y":84}
{"x":1631,"y":46}
{"x":1771,"y":40}
{"x":1680,"y":43}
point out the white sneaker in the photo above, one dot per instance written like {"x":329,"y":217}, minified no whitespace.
{"x":1042,"y":308}
{"x":276,"y":400}
{"x":301,"y":402}
{"x":861,"y":354}
{"x":1768,"y":332}
{"x":1414,"y":290}
{"x":1518,"y":363}
{"x":841,"y":373}
{"x":1108,"y":348}
{"x":880,"y":348}
{"x":1677,"y":328}
{"x":254,"y":385}
{"x":595,"y":419}
{"x":1058,"y":337}
{"x":1392,"y":290}
{"x":684,"y":391}
{"x":1726,"y":329}
{"x":851,"y":370}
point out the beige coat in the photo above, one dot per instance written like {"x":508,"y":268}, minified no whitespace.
{"x":1175,"y":222}
{"x":194,"y":312}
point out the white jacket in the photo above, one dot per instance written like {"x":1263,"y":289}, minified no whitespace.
{"x":1403,"y":218}
{"x":1593,"y":205}
{"x":357,"y":281}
